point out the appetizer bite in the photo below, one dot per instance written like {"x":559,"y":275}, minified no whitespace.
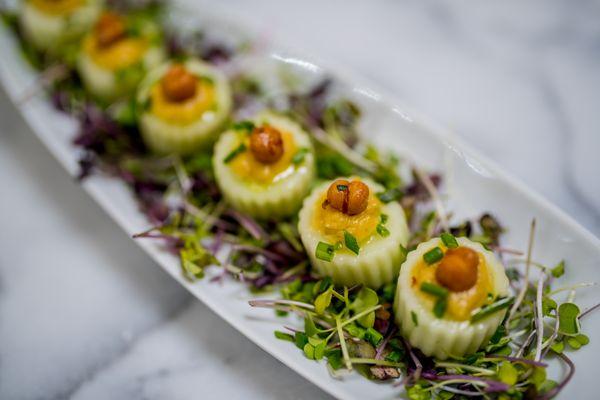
{"x":184,"y":106}
{"x":50,"y":24}
{"x":265,"y":167}
{"x":351,"y":235}
{"x":116,"y":54}
{"x":451,"y":296}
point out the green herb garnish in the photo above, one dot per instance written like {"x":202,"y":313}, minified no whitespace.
{"x":382,"y":230}
{"x":434,"y":255}
{"x":325,"y":251}
{"x":439,"y":308}
{"x":299,"y":156}
{"x":247,"y":126}
{"x":449,"y":240}
{"x":351,"y":242}
{"x":490,"y":309}
{"x":234,"y":153}
{"x":434,"y":289}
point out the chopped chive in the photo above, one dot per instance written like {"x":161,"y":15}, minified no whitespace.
{"x":390,"y":195}
{"x":434,"y":255}
{"x":234,"y":153}
{"x":382,"y":230}
{"x":449,"y":240}
{"x":440,"y":307}
{"x":413,"y":316}
{"x":492,"y":308}
{"x":383,"y":218}
{"x":342,"y":188}
{"x":351,"y":243}
{"x":434,"y":289}
{"x":299,"y":156}
{"x":373,"y":337}
{"x":325,"y":251}
{"x":247,"y":126}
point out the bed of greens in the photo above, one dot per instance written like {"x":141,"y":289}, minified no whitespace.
{"x":350,"y":328}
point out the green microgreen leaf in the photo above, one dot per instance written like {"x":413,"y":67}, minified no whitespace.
{"x":507,"y":373}
{"x":557,"y":347}
{"x":434,"y":255}
{"x":234,"y":153}
{"x":568,"y":319}
{"x":325,"y":251}
{"x":449,"y":240}
{"x":309,"y":351}
{"x":538,"y":377}
{"x":334,"y":358}
{"x":351,"y":242}
{"x":365,"y":299}
{"x":490,"y":309}
{"x":323,"y":301}
{"x":418,"y":392}
{"x":434,"y":289}
{"x":558,"y":270}
{"x":300,"y":339}
{"x":284,"y":336}
{"x":548,"y":305}
{"x":310,"y":329}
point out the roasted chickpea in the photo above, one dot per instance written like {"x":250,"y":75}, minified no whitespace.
{"x":458,"y":269}
{"x":109,"y":29}
{"x":178,"y":84}
{"x":266,"y":144}
{"x":348,"y":197}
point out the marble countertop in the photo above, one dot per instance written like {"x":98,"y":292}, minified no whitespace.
{"x":85,"y":314}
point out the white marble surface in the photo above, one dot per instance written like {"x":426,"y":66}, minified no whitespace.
{"x":84,"y":314}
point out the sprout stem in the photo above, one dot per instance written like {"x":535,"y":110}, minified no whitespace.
{"x":523,"y":290}
{"x":539,"y":320}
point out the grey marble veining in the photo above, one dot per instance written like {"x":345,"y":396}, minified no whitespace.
{"x":84,"y":314}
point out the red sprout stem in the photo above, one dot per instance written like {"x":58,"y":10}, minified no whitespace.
{"x":554,"y":392}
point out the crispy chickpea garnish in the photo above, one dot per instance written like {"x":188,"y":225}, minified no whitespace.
{"x":109,"y":29}
{"x":178,"y":84}
{"x":266,"y":144}
{"x":458,"y":269}
{"x":348,"y":197}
